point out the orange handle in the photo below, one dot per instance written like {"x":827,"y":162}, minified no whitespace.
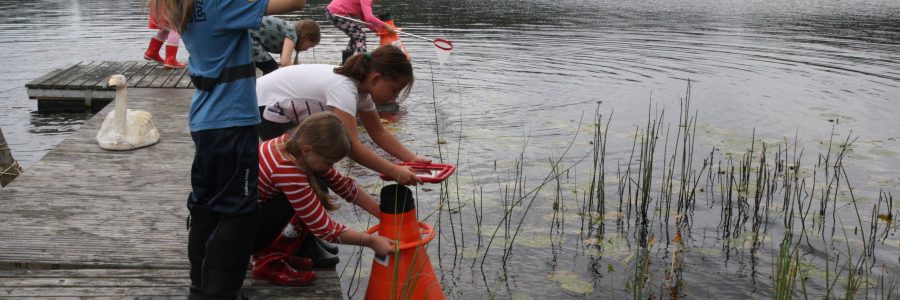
{"x":425,"y":230}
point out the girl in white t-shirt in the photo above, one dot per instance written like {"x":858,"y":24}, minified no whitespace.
{"x":292,"y":93}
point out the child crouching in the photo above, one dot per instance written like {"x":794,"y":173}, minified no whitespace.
{"x":295,"y":205}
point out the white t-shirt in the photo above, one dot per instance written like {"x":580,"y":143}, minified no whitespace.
{"x":292,"y":93}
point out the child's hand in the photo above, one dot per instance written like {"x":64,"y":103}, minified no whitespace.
{"x":381,"y":245}
{"x":421,"y":160}
{"x":405,"y":176}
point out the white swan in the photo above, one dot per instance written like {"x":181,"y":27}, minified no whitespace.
{"x":126,"y":129}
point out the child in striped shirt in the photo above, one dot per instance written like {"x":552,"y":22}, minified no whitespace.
{"x":292,"y":168}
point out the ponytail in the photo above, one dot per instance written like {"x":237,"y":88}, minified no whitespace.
{"x":325,"y":133}
{"x":172,"y":14}
{"x":388,"y":60}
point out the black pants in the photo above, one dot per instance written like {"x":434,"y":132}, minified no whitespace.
{"x":219,"y":248}
{"x":269,"y":130}
{"x":224,"y":207}
{"x":275,"y":213}
{"x":266,"y":67}
{"x":225,"y":170}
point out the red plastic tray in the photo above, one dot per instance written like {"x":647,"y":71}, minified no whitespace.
{"x":431,"y":173}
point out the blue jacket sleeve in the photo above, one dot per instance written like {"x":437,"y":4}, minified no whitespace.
{"x":242,"y":14}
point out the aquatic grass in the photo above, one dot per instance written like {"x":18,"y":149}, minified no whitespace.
{"x":673,"y":280}
{"x":764,"y":187}
{"x":597,"y":190}
{"x":550,"y":177}
{"x":439,"y":142}
{"x":887,"y":290}
{"x":786,"y":268}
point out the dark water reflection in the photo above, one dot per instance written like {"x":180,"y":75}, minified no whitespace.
{"x":531,"y":69}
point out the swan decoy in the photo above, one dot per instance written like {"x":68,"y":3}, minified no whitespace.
{"x":126,"y":129}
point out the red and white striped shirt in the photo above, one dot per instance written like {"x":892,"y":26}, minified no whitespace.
{"x":278,"y":174}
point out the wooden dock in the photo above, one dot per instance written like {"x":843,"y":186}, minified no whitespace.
{"x":84,"y":85}
{"x":86,"y":222}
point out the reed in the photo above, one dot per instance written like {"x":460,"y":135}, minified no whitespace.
{"x":765,"y":188}
{"x":786,"y":268}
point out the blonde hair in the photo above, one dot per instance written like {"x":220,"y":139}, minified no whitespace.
{"x":309,"y":30}
{"x":175,"y":14}
{"x":325,"y":133}
{"x":388,"y":60}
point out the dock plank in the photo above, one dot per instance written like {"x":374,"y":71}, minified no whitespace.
{"x":141,"y":76}
{"x":50,"y":75}
{"x":91,"y":76}
{"x":93,"y":283}
{"x":108,"y":200}
{"x":153,"y":74}
{"x":163,"y":77}
{"x":137,"y":72}
{"x":173,"y":80}
{"x":71,"y":74}
{"x":114,"y":220}
{"x":100,"y":80}
{"x":123,"y":68}
{"x":185,"y":81}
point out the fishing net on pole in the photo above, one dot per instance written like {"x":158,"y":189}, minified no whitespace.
{"x":443,"y":48}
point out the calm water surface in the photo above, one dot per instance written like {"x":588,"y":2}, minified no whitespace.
{"x":522,"y":76}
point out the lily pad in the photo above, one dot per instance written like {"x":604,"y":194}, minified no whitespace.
{"x":568,"y":216}
{"x":881,"y":152}
{"x":470,"y":252}
{"x":708,"y":252}
{"x":521,"y":296}
{"x":540,"y":242}
{"x":571,"y":282}
{"x":612,"y":246}
{"x":886,"y":181}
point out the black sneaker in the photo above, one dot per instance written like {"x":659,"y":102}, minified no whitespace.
{"x":330,"y":247}
{"x":320,"y":257}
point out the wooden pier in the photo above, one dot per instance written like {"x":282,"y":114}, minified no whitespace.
{"x":84,"y":85}
{"x":84,"y":222}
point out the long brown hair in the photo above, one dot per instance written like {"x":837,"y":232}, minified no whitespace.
{"x":325,"y":133}
{"x":174,"y":14}
{"x":388,"y":60}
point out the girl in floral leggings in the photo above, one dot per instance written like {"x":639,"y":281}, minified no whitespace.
{"x":360,"y":9}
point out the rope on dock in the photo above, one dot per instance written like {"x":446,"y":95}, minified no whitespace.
{"x":17,"y":170}
{"x":14,"y":169}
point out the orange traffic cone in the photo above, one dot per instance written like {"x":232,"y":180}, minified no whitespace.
{"x":386,"y":38}
{"x":414,"y":277}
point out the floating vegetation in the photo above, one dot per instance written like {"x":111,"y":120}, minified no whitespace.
{"x":571,"y":282}
{"x":676,"y":209}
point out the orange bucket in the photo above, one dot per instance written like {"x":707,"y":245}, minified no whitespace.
{"x":386,"y":38}
{"x":407,"y":274}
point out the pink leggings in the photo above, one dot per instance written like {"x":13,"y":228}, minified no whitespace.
{"x":172,"y":38}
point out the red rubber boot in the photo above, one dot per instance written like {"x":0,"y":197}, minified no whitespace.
{"x":152,"y":52}
{"x":280,"y":272}
{"x":171,"y":62}
{"x":299,"y":263}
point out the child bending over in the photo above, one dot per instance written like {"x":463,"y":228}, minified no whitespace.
{"x":295,"y":205}
{"x":277,"y":36}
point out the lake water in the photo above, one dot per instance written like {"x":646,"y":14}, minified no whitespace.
{"x":521,"y":79}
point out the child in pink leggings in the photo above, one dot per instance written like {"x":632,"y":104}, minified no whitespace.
{"x":361,"y":9}
{"x":171,"y":39}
